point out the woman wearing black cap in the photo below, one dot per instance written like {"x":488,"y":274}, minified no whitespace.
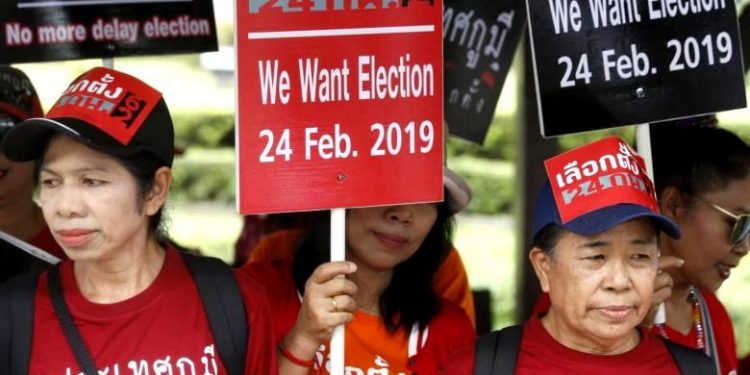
{"x":125,"y":302}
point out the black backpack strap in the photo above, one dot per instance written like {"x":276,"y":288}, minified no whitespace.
{"x":17,"y":304}
{"x":690,"y":361}
{"x":223,"y":302}
{"x":81,"y":352}
{"x":497,"y":352}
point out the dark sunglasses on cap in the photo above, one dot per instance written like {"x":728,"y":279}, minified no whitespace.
{"x":741,"y":226}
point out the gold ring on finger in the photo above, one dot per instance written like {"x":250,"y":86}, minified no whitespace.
{"x":334,"y":305}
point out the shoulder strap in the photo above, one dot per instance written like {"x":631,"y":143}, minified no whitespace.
{"x":223,"y":302}
{"x":708,"y":330}
{"x":690,"y":361}
{"x":81,"y":352}
{"x":17,"y":304}
{"x":497,"y":352}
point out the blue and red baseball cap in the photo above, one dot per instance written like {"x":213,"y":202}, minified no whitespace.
{"x":105,"y":109}
{"x":596,"y":187}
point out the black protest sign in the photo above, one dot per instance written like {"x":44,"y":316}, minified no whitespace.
{"x":50,"y":30}
{"x":479,"y":39}
{"x":608,"y":63}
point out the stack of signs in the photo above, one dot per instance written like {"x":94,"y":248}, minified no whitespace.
{"x":50,"y":30}
{"x":479,"y":40}
{"x":339,"y":104}
{"x":603,"y":63}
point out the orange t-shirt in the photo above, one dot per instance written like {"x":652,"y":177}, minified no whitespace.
{"x":365,"y":336}
{"x":450,"y":282}
{"x":370,"y":349}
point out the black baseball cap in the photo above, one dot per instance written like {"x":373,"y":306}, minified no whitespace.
{"x":105,"y":109}
{"x":18,"y":99}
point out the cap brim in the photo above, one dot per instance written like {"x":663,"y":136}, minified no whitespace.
{"x":606,"y":218}
{"x":27,"y":139}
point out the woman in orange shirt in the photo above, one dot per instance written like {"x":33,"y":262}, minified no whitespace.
{"x":395,"y":319}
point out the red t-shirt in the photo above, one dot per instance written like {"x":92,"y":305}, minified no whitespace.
{"x":722,"y":330}
{"x":541,"y":354}
{"x":162,"y":330}
{"x":369,"y":347}
{"x":721,"y":324}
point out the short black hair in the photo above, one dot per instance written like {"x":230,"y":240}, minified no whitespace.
{"x":698,"y":159}
{"x":547,"y":238}
{"x":143,"y":167}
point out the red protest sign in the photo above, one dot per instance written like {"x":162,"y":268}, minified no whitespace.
{"x":339,"y":103}
{"x":597,"y":174}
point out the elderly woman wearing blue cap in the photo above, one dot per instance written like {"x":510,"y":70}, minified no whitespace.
{"x":595,"y":231}
{"x":125,"y":301}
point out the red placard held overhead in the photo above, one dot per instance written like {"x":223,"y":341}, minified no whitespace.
{"x":339,"y":103}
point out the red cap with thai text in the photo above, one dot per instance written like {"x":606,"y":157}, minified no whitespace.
{"x":595,"y":187}
{"x":107,"y":110}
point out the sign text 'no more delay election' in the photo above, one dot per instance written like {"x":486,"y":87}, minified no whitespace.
{"x":50,"y":30}
{"x":606,"y":63}
{"x":339,"y":104}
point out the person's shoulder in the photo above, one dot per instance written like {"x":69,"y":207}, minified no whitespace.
{"x":451,"y":318}
{"x":450,"y":342}
{"x":280,"y":244}
{"x":709,"y":296}
{"x":450,"y":308}
{"x":268,"y":271}
{"x":715,"y":307}
{"x":711,"y":299}
{"x":276,"y":274}
{"x":460,"y":362}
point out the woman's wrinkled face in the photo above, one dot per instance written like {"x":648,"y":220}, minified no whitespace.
{"x":90,"y":201}
{"x":382,"y":237}
{"x":705,"y":246}
{"x":600,"y":286}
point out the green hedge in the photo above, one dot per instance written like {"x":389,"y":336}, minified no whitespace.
{"x":205,"y":130}
{"x":499,"y":144}
{"x":491,"y":182}
{"x":204,"y":175}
